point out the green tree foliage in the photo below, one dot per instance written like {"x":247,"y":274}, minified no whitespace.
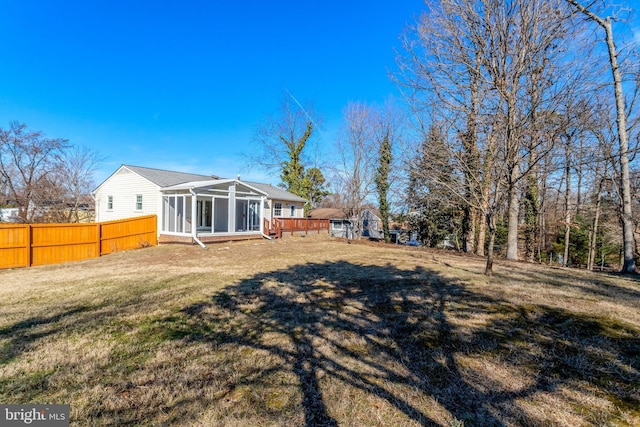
{"x":382,"y":183}
{"x":292,"y":175}
{"x":315,"y":187}
{"x":282,"y":141}
{"x":432,"y":212}
{"x":308,"y":183}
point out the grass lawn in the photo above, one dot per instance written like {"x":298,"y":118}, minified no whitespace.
{"x":313,"y":331}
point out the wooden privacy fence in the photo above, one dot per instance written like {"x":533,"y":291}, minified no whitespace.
{"x":26,"y":245}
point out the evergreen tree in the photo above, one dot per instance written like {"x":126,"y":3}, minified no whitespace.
{"x":293,"y":176}
{"x":314,"y":185}
{"x":382,"y":183}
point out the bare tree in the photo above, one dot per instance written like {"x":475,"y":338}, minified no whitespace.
{"x":355,"y":170}
{"x":283,"y":142}
{"x":492,"y":68}
{"x":623,"y":140}
{"x":27,"y":165}
{"x":72,"y":183}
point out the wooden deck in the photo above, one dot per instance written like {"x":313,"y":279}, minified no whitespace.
{"x":277,"y":227}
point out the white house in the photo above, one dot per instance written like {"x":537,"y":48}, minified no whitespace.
{"x":192,"y":207}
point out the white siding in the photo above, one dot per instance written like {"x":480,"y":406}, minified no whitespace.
{"x":286,"y":209}
{"x":124,"y":185}
{"x":268,"y":206}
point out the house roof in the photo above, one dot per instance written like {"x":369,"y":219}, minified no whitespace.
{"x":331,"y":213}
{"x":210,"y":183}
{"x":165,"y":178}
{"x":275,"y":193}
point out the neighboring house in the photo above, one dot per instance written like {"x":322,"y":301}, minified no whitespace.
{"x":343,"y":224}
{"x":9,"y":215}
{"x":192,"y":206}
{"x":372,"y":225}
{"x":340,"y":224}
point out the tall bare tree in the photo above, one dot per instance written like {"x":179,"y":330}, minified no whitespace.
{"x":355,"y":170}
{"x":621,"y":119}
{"x":72,"y":183}
{"x":491,"y":67}
{"x":28,"y":161}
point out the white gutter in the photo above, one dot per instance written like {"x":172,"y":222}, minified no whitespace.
{"x":194,"y":233}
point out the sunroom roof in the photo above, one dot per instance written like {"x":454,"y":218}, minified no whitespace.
{"x":209,"y":183}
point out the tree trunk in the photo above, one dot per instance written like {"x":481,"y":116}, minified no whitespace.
{"x":567,"y":198}
{"x":512,"y":146}
{"x":513,"y":212}
{"x":594,"y":236}
{"x":628,"y":265}
{"x":469,"y":229}
{"x":531,"y":217}
{"x":491,"y":225}
{"x":482,"y":237}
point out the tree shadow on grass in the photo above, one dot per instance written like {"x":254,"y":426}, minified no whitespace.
{"x":21,"y":335}
{"x":382,"y":331}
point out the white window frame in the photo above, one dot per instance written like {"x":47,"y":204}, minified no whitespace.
{"x":138,"y":202}
{"x":109,"y":203}
{"x":277,"y":209}
{"x":292,"y":211}
{"x":181,"y":221}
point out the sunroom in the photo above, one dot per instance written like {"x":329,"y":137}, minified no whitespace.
{"x":204,"y":211}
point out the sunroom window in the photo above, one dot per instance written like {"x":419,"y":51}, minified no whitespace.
{"x":176,"y":214}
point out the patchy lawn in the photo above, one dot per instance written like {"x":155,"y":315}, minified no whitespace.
{"x":314,"y":331}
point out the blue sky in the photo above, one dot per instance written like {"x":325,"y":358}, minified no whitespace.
{"x":182,"y":85}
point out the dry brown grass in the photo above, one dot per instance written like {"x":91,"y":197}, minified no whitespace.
{"x":313,"y":331}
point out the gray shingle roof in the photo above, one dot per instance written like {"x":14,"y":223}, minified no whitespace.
{"x":276,"y":193}
{"x":164,"y":178}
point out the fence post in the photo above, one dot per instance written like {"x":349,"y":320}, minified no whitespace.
{"x":98,"y":240}
{"x":29,"y":242}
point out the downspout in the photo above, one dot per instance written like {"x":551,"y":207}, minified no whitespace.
{"x":194,"y":224}
{"x":262,"y":199}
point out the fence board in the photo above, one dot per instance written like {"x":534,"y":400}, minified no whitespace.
{"x":125,"y":234}
{"x":56,"y":243}
{"x":24,"y":245}
{"x":14,"y":245}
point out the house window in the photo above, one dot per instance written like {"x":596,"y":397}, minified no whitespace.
{"x":109,"y":203}
{"x":138,"y":202}
{"x":336,"y":225}
{"x":277,"y":209}
{"x":293,"y":211}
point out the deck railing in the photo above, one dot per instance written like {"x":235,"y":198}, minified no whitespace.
{"x":278,"y":226}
